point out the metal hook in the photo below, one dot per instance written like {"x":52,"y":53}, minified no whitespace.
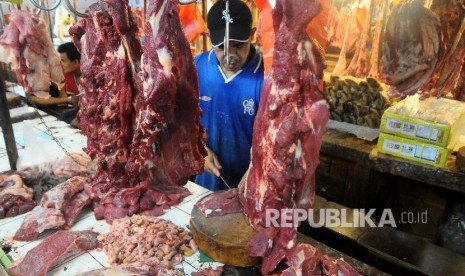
{"x":40,"y":7}
{"x":75,"y":12}
{"x":186,"y":2}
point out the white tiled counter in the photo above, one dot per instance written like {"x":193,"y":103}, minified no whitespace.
{"x":95,"y":259}
{"x":72,"y":140}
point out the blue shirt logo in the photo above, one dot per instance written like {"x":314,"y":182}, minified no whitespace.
{"x":249,"y":107}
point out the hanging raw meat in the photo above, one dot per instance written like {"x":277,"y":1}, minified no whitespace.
{"x":340,"y":16}
{"x":459,"y":91}
{"x":349,"y":34}
{"x":109,"y":64}
{"x":376,"y":39}
{"x":141,"y":115}
{"x":335,"y":35}
{"x":411,"y":47}
{"x":359,"y":64}
{"x":448,"y":76}
{"x":26,"y":44}
{"x":317,"y":29}
{"x":287,"y":137}
{"x":291,"y":118}
{"x":168,"y":143}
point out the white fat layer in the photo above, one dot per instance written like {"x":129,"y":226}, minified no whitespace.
{"x":290,"y":244}
{"x":298,"y":150}
{"x":273,"y":106}
{"x":292,"y":148}
{"x":273,"y":89}
{"x":270,"y":243}
{"x":121,"y":53}
{"x":148,"y":164}
{"x":261,"y":194}
{"x":323,"y":103}
{"x":155,"y":20}
{"x":165,"y":59}
{"x":301,"y":258}
{"x":97,"y":27}
{"x":272,"y":131}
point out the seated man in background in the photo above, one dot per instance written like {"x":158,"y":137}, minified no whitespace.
{"x":70,"y":60}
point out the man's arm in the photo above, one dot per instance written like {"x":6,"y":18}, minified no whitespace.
{"x":212,"y":165}
{"x":62,"y":99}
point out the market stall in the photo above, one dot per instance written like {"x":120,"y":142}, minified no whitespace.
{"x":378,"y":85}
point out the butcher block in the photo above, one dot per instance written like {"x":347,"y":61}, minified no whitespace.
{"x":223,"y":238}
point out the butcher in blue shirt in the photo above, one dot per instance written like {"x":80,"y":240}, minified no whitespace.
{"x":229,"y":95}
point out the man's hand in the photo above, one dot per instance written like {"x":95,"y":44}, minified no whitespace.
{"x":73,"y":100}
{"x":212,"y":165}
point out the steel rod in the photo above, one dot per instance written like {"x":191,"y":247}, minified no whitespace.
{"x":226,"y":34}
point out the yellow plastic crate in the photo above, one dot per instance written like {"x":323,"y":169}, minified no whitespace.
{"x":413,"y":150}
{"x":434,"y":121}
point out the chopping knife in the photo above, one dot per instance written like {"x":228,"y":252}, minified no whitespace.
{"x":224,"y":181}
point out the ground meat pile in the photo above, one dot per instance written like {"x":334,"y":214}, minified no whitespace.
{"x":146,"y":241}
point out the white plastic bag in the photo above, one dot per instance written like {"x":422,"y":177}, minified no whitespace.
{"x":40,"y":151}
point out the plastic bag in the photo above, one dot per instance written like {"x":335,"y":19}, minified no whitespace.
{"x":40,"y":151}
{"x":63,"y":21}
{"x":452,"y":233}
{"x":192,"y":21}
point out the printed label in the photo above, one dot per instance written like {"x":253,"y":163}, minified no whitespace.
{"x":408,"y":150}
{"x":430,"y":154}
{"x":409,"y":129}
{"x":418,"y":152}
{"x":423,"y":132}
{"x":435,"y":135}
{"x":393,"y":124}
{"x":390,"y":145}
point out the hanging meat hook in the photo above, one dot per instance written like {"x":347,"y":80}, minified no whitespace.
{"x":80,"y":14}
{"x":43,"y":8}
{"x":186,"y":2}
{"x":74,"y":11}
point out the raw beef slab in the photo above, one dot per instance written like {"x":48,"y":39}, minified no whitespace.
{"x":140,"y":114}
{"x":26,"y":44}
{"x":53,"y":250}
{"x":291,"y":118}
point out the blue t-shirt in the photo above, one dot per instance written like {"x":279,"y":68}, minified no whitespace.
{"x":229,"y":107}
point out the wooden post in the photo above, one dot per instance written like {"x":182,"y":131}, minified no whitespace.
{"x":204,"y":14}
{"x":7,"y":128}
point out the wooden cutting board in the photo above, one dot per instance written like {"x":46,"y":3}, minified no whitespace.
{"x":223,"y":238}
